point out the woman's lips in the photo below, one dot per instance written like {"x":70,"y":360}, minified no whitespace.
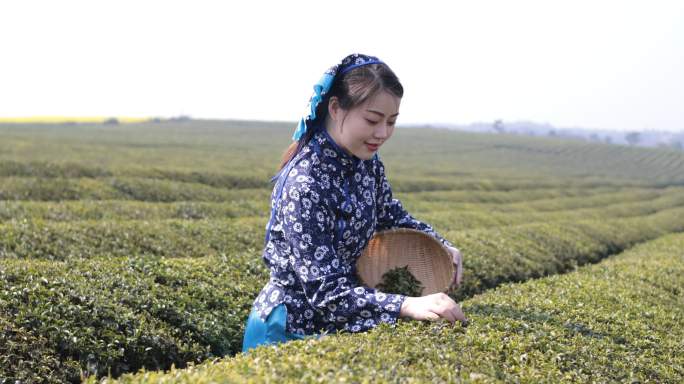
{"x":372,"y":147}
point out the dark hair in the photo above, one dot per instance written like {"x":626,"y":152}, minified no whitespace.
{"x":352,"y":89}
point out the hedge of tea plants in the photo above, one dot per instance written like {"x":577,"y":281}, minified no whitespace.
{"x":247,"y":202}
{"x":618,"y":321}
{"x":72,"y":210}
{"x":93,"y":238}
{"x":139,"y":246}
{"x":251,"y":149}
{"x":489,"y":215}
{"x":255,"y":202}
{"x":57,"y":240}
{"x":115,"y":188}
{"x":521,"y":252}
{"x":117,"y":313}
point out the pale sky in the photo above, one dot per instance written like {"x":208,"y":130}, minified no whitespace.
{"x":593,"y":64}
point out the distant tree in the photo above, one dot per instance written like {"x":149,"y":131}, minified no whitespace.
{"x":594,"y":137}
{"x":498,"y":126}
{"x":633,"y":138}
{"x":608,"y":140}
{"x":553,"y":133}
{"x":111,"y":121}
{"x":677,"y":145}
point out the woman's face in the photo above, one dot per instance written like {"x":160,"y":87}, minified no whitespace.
{"x":363,"y":129}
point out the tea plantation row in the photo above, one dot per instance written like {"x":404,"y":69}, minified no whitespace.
{"x":197,"y":238}
{"x":122,"y":312}
{"x":51,"y":170}
{"x":162,"y":190}
{"x":618,"y":321}
{"x":138,"y":246}
{"x":256,"y":203}
{"x":420,"y":157}
{"x":126,"y":188}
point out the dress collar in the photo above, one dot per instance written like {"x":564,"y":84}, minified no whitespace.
{"x":342,"y":157}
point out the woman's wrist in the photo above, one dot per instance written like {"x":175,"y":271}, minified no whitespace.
{"x":404,"y":311}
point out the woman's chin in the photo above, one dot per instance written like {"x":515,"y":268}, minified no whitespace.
{"x":364,"y":153}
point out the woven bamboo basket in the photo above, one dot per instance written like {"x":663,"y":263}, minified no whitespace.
{"x":428,"y":260}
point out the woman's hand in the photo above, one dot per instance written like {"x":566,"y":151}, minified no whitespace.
{"x":432,"y":307}
{"x":457,"y":259}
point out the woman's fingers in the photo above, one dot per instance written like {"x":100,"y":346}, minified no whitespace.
{"x":455,"y":254}
{"x":454,"y":314}
{"x":446,"y":313}
{"x":457,"y":260}
{"x":459,"y":270}
{"x":434,"y":307}
{"x":448,"y":309}
{"x":445,"y":307}
{"x":458,"y":314}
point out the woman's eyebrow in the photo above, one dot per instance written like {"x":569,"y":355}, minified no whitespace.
{"x":380,"y":113}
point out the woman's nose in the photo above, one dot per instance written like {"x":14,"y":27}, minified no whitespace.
{"x":383,"y":131}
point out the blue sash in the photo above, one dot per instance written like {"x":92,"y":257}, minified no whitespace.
{"x":272,"y":331}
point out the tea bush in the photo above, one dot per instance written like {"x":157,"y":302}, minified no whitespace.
{"x":450,"y":216}
{"x":172,"y":238}
{"x":189,"y":309}
{"x":419,"y":183}
{"x":50,"y":169}
{"x":617,"y":321}
{"x":527,"y":201}
{"x":113,"y":188}
{"x":120,"y":314}
{"x":517,"y":253}
{"x":255,"y":205}
{"x":25,"y":357}
{"x":138,"y":246}
{"x":255,"y":202}
{"x":55,"y":189}
{"x":454,"y":218}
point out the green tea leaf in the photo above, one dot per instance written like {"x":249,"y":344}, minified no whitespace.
{"x":400,"y":281}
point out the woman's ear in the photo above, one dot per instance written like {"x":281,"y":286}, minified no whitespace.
{"x":333,"y":108}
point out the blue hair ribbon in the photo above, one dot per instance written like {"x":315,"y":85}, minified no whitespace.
{"x":325,"y":83}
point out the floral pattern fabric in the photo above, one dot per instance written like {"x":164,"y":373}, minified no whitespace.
{"x":331,"y":203}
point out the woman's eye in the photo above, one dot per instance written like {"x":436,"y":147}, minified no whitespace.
{"x":391,"y":122}
{"x":371,"y":121}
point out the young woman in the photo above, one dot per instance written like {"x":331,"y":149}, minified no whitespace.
{"x":331,"y":195}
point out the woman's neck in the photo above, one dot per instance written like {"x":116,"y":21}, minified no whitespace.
{"x":332,"y":132}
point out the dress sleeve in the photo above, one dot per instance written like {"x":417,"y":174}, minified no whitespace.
{"x":327,"y":279}
{"x":391,"y":213}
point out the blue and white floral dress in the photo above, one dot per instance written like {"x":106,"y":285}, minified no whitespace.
{"x":329,"y":206}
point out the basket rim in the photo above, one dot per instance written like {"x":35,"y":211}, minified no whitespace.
{"x":409,"y":230}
